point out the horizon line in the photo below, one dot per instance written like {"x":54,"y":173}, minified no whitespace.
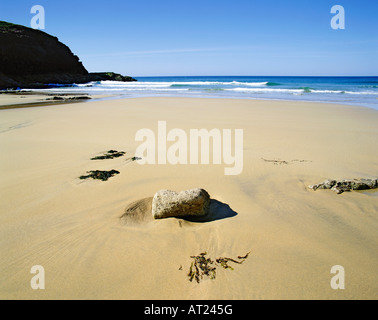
{"x":296,"y":76}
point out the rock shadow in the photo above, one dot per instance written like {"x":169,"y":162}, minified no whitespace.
{"x":140,"y":212}
{"x":217,"y":211}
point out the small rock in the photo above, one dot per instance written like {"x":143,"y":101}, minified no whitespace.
{"x":167,"y":203}
{"x":56,"y":98}
{"x":328,"y":184}
{"x":346,"y":185}
{"x":79,"y":98}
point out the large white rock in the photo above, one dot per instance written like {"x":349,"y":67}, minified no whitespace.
{"x":167,"y":203}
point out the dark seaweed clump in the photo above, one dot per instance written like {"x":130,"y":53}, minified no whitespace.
{"x":111,"y":154}
{"x":100,"y":175}
{"x":202,"y":266}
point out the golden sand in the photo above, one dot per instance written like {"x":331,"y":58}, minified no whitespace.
{"x":72,"y":227}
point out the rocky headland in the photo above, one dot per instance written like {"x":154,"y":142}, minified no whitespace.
{"x":34,"y":59}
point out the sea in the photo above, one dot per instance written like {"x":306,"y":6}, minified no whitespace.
{"x":359,"y":91}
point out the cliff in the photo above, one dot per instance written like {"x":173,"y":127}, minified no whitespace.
{"x":33,"y":59}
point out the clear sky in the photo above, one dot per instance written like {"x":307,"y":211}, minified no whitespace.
{"x":211,"y":37}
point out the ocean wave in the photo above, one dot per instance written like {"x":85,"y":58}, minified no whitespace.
{"x":119,"y":84}
{"x":157,"y":89}
{"x":306,"y":89}
{"x":346,"y":92}
{"x":253,"y":84}
{"x":369,"y":87}
{"x":195,"y":83}
{"x":355,"y":91}
{"x":198,"y":86}
{"x":174,"y":84}
{"x":329,"y":91}
{"x":213,"y":83}
{"x":301,"y":90}
{"x":265,"y":90}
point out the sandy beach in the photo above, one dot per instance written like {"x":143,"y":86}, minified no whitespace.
{"x":72,"y":227}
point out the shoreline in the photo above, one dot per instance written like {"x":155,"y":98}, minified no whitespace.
{"x":29,"y":99}
{"x":295,"y":235}
{"x":41,"y":99}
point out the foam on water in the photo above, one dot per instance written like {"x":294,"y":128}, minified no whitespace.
{"x":361,"y":91}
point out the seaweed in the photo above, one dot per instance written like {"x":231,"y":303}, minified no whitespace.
{"x":100,"y":175}
{"x":245,"y":257}
{"x":111,"y":154}
{"x":224,"y":262}
{"x":276,"y":162}
{"x":203,"y":266}
{"x":280,"y":162}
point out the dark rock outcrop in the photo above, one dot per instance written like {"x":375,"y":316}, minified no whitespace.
{"x":346,"y":185}
{"x":34,"y":59}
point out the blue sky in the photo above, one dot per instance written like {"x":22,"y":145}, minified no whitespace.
{"x":208,"y":37}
